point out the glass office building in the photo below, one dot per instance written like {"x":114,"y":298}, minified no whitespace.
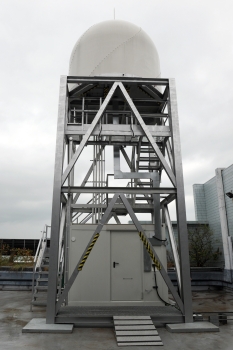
{"x":213,"y":202}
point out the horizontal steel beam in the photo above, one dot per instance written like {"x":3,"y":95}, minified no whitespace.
{"x":118,"y":111}
{"x":119,"y":211}
{"x":125,"y":190}
{"x":117,"y":130}
{"x":109,"y":143}
{"x":155,"y":81}
{"x":116,"y":206}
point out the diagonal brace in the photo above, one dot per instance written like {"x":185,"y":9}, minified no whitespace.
{"x":148,"y":134}
{"x":162,"y":269}
{"x":89,"y":132}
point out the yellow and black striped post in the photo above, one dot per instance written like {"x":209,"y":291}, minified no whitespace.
{"x":80,"y":267}
{"x":148,"y":248}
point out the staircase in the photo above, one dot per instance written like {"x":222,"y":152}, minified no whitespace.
{"x":136,"y":331}
{"x":147,"y":159}
{"x":41,"y":272}
{"x":39,"y":297}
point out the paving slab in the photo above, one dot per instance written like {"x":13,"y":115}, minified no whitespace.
{"x":194,"y":327}
{"x":39,"y":325}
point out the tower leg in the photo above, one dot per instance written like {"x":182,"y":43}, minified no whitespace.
{"x":56,"y":204}
{"x":180,"y":207}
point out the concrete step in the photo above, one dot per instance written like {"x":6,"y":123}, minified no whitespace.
{"x":157,"y":343}
{"x":143,"y":332}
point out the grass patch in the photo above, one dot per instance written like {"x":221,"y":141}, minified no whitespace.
{"x":17,"y":259}
{"x":15,"y":266}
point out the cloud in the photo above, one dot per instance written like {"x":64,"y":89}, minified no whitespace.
{"x":194,"y":41}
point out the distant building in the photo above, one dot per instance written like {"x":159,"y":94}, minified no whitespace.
{"x":213,"y":202}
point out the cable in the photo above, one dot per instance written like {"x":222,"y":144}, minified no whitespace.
{"x":161,"y":240}
{"x":157,"y":291}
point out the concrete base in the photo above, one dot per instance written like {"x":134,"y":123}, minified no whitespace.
{"x":39,"y":325}
{"x":194,"y":327}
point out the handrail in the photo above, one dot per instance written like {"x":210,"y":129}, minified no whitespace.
{"x":40,"y":246}
{"x":60,"y":270}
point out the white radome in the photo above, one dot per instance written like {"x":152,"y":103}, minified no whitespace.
{"x":115,"y":48}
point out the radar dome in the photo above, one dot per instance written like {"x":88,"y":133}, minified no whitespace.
{"x":115,"y":48}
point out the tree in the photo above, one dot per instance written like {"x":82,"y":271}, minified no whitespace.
{"x":201,"y":248}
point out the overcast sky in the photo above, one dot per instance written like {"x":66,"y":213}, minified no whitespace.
{"x":194,"y":40}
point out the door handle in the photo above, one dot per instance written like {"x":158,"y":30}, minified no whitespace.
{"x":115,"y":263}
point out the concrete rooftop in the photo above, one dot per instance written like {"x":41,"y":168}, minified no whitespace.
{"x":15,"y":314}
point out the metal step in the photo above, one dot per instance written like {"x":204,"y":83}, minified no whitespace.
{"x":144,"y":198}
{"x":148,"y":159}
{"x":143,"y":332}
{"x":42,"y":279}
{"x":42,"y":283}
{"x":146,"y":150}
{"x":145,"y":167}
{"x":46,"y":253}
{"x":44,"y":288}
{"x":45,"y":258}
{"x":40,"y":287}
{"x":39,"y":303}
{"x":44,"y":262}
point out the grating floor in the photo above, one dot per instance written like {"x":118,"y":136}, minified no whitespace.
{"x":102,"y":316}
{"x":110,"y":311}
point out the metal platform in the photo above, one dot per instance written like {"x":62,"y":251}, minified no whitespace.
{"x":102,"y":316}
